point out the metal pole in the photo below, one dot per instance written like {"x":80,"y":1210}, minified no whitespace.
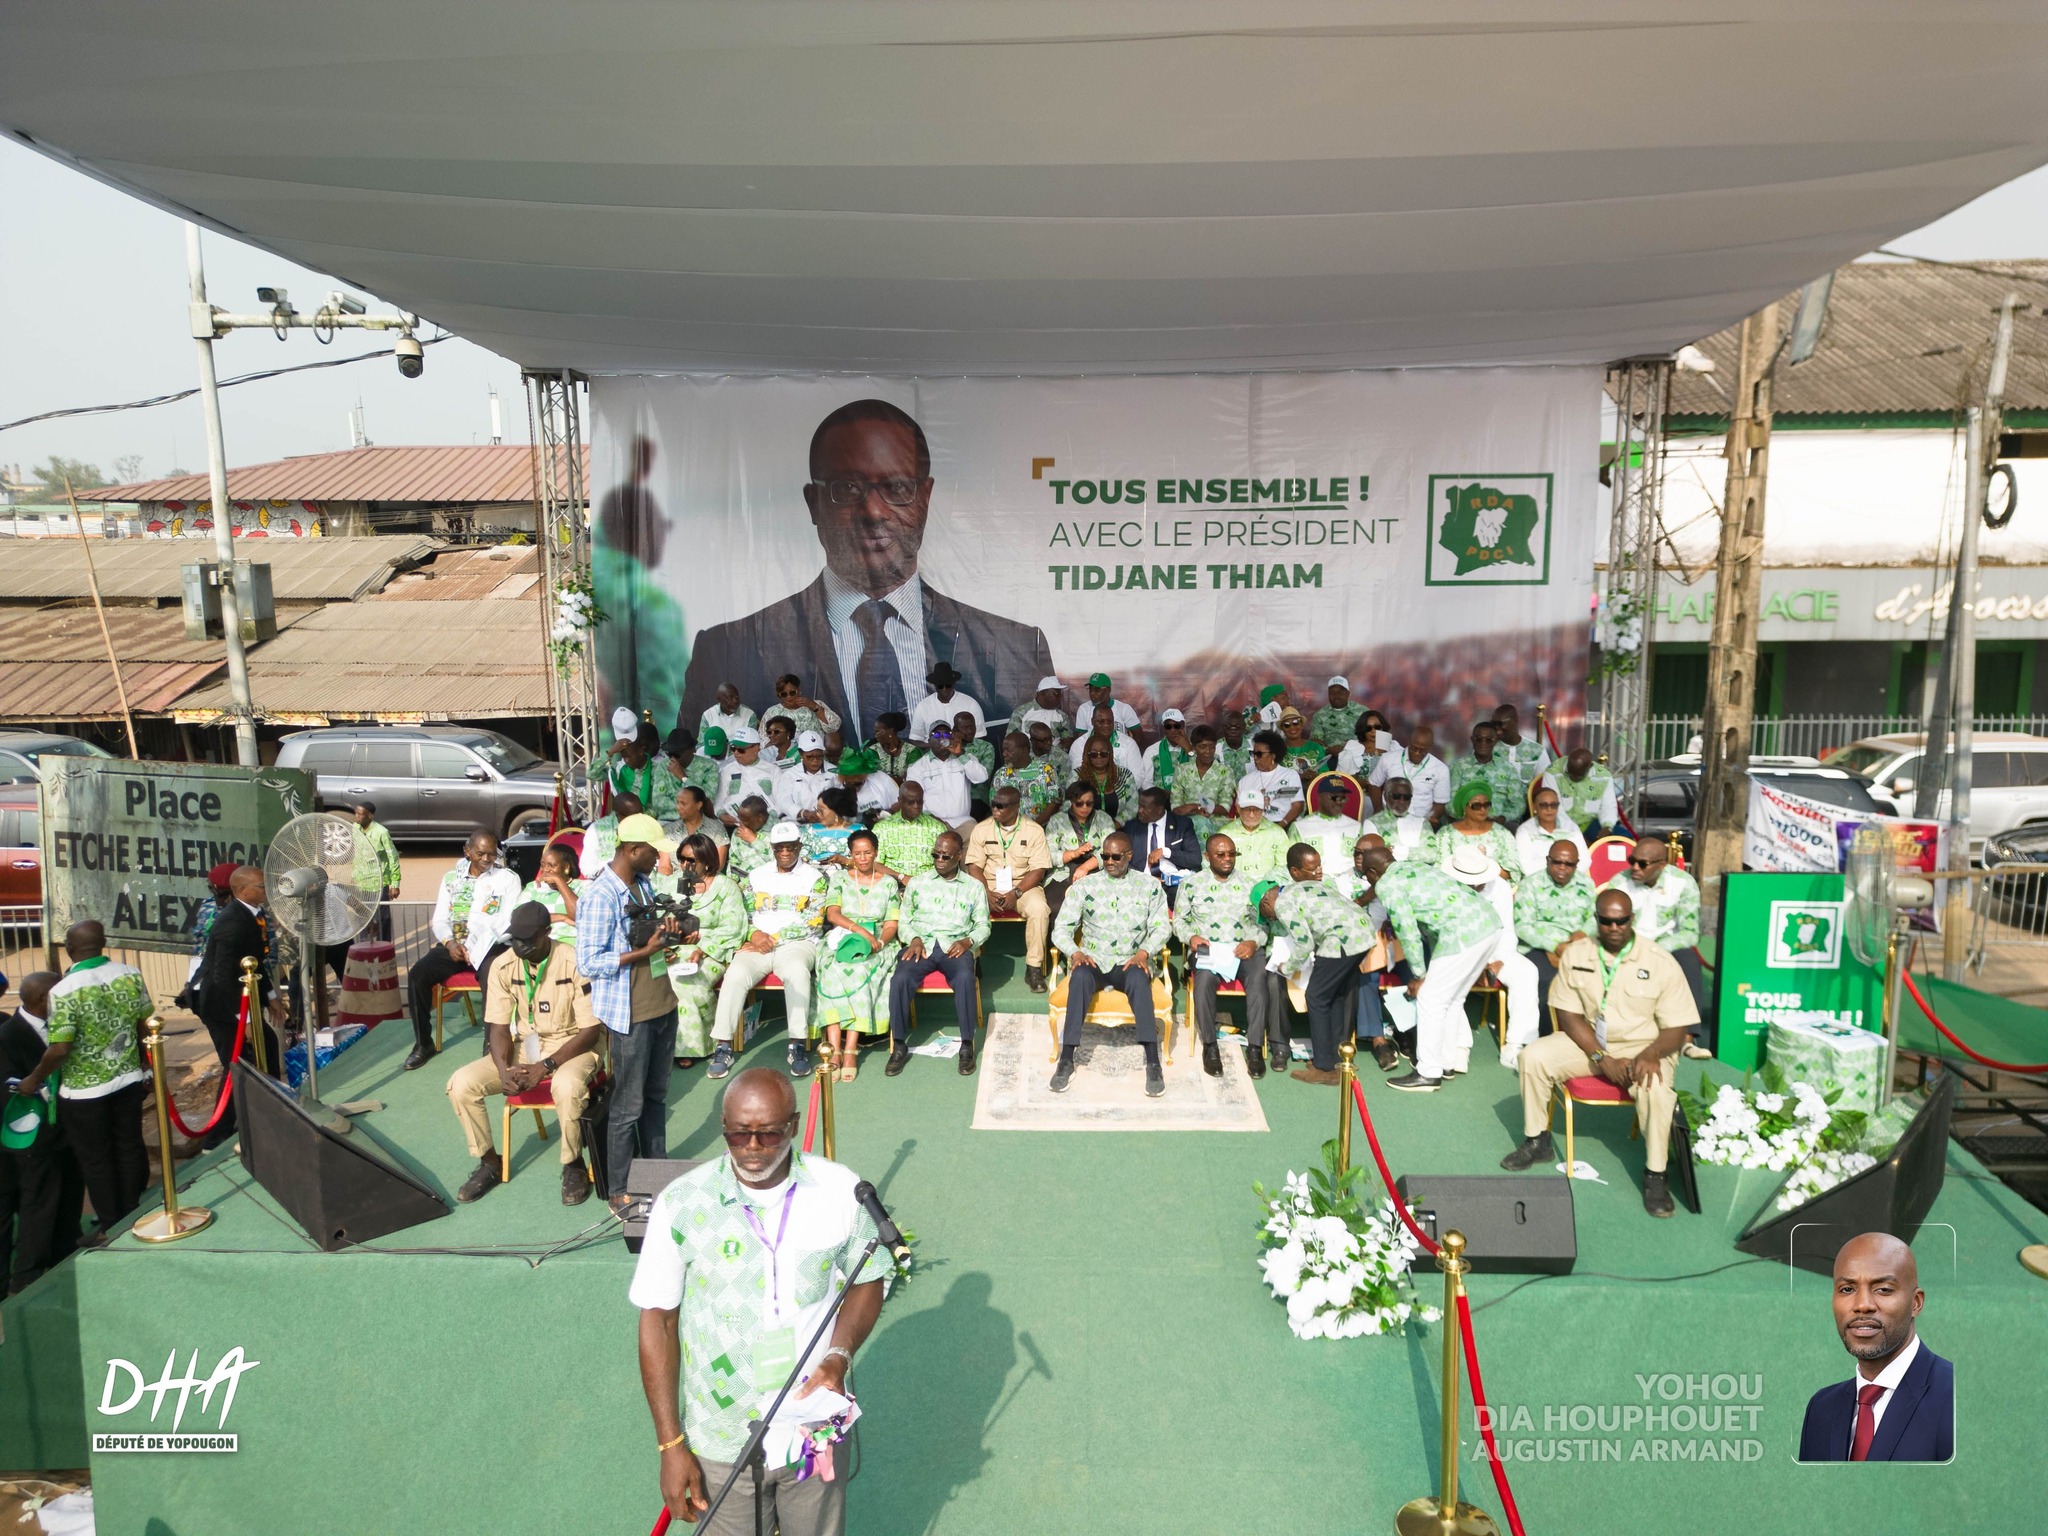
{"x":175,"y":1221}
{"x":827,"y":1118}
{"x":259,"y":1045}
{"x":1444,"y":1515}
{"x":1346,"y":1075}
{"x":223,"y":527}
{"x":99,"y":609}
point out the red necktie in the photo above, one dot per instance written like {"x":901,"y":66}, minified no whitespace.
{"x":1866,"y":1420}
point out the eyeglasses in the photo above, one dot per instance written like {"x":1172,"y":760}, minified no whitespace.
{"x":852,"y":490}
{"x":1613,"y":922}
{"x":1115,"y":858}
{"x":1479,"y":803}
{"x":1643,"y":863}
{"x":740,"y":1136}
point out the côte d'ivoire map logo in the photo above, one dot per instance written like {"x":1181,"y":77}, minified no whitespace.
{"x":1805,"y":934}
{"x":1488,"y":530}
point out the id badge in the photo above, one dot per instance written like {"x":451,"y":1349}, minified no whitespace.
{"x":1006,"y":879}
{"x":657,"y":964}
{"x":1600,"y":1030}
{"x":774,"y":1357}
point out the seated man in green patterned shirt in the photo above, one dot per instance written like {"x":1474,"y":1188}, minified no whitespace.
{"x":1215,"y":913}
{"x":1334,"y":724}
{"x":1110,"y":927}
{"x":943,"y":924}
{"x":1552,"y":909}
{"x":1038,"y":784}
{"x":1319,"y":920}
{"x":904,"y":839}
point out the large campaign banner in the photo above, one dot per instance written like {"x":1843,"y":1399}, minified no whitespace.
{"x":1429,"y":534}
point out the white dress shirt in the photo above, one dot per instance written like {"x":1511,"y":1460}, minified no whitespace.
{"x":1608,"y":814}
{"x":1125,"y":716}
{"x":1411,"y":834}
{"x":904,"y":631}
{"x":1431,"y":778}
{"x":931,"y":710}
{"x":728,"y":723}
{"x":947,"y":781}
{"x":1533,"y":843}
{"x":1351,"y":758}
{"x":799,"y":790}
{"x":1888,"y":1378}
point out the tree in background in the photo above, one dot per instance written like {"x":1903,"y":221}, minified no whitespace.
{"x":58,"y":469}
{"x":127,"y":469}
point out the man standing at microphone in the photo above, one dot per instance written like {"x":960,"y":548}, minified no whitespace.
{"x":742,"y":1259}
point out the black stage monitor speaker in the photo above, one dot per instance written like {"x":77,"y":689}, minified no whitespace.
{"x":1513,"y":1224}
{"x":1893,"y":1197}
{"x":336,"y":1187}
{"x":646,"y":1178}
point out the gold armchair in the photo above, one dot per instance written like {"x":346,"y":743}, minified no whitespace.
{"x":1109,"y":1007}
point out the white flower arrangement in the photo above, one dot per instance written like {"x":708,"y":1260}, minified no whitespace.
{"x":1786,"y":1126}
{"x":1823,"y":1173}
{"x":1340,"y":1266}
{"x":576,"y":616}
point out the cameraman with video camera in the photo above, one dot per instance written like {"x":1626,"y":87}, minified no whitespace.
{"x":623,"y":954}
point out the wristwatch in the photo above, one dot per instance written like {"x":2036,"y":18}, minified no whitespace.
{"x":549,"y":1063}
{"x":1596,"y":1058}
{"x":837,"y":1349}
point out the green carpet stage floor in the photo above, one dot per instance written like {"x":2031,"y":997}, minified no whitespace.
{"x":1087,"y":1348}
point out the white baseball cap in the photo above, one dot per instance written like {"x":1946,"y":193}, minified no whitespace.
{"x":810,"y":741}
{"x":1049,"y":682}
{"x":1339,"y":682}
{"x":1252,"y":797}
{"x":785,"y":832}
{"x":624,"y":723}
{"x":1173,"y":714}
{"x":743,"y":736}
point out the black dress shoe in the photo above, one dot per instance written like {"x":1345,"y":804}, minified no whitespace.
{"x":1282,"y":1059}
{"x":1384,"y":1053}
{"x":1415,"y":1082}
{"x":1533,"y":1150}
{"x":967,"y":1058}
{"x":1034,"y":977}
{"x":482,"y":1181}
{"x":575,"y":1183}
{"x":421,"y":1055}
{"x":1254,"y":1062}
{"x":899,"y":1057}
{"x":1656,"y":1197}
{"x":1155,"y":1080}
{"x":1212,"y":1060}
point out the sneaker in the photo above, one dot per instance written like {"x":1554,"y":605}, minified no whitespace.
{"x":1212,"y":1060}
{"x":799,"y":1059}
{"x":1155,"y":1079}
{"x":1384,"y":1053}
{"x":1062,"y":1077}
{"x":1694,"y":1051}
{"x":1415,"y":1082}
{"x":899,"y":1058}
{"x":1533,"y":1150}
{"x":721,"y":1060}
{"x":1254,"y":1062}
{"x":575,"y":1183}
{"x":1034,"y":977}
{"x":967,"y":1058}
{"x":481,"y":1182}
{"x":1656,"y":1197}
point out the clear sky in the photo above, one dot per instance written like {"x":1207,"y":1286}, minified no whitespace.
{"x":92,"y":306}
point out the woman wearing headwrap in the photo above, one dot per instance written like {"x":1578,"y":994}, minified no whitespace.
{"x":1472,"y":806}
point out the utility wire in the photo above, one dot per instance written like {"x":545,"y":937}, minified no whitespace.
{"x":187,"y":394}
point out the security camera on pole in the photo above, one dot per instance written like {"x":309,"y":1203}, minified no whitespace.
{"x":340,"y":311}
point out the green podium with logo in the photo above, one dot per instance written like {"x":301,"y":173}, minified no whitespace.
{"x":1784,"y":959}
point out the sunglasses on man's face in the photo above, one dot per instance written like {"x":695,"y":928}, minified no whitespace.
{"x":1643,"y":863}
{"x":739,"y":1136}
{"x":1613,"y":922}
{"x":1115,"y":858}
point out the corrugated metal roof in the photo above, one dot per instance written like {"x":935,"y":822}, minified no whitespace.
{"x":84,"y":690}
{"x":460,"y":660}
{"x":1901,"y":338}
{"x":477,"y":473}
{"x":147,"y":570}
{"x":508,"y":571}
{"x":72,"y":633}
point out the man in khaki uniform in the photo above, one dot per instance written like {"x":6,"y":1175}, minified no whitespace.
{"x":1623,"y":1009}
{"x":540,"y":1025}
{"x":1009,"y":854}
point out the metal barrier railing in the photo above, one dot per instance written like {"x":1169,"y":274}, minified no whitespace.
{"x":1796,"y":735}
{"x":2008,"y":910}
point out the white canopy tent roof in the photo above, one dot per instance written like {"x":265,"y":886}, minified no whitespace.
{"x":1047,"y":186}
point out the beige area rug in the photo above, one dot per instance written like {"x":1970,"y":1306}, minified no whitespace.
{"x":1108,"y":1091}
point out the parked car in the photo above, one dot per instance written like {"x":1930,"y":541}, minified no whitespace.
{"x":2008,"y":778}
{"x":1671,"y":792}
{"x":2022,"y":845}
{"x":19,"y":751}
{"x":21,"y":852}
{"x":427,"y":781}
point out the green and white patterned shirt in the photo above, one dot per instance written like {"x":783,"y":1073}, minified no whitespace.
{"x":906,"y":846}
{"x":1422,"y":900}
{"x":1334,"y":727}
{"x":561,"y":926}
{"x":1219,"y":910}
{"x":1527,"y":755}
{"x":1116,"y":915}
{"x":704,"y":1256}
{"x":1500,"y":776}
{"x":1062,"y":837}
{"x":700,"y":771}
{"x":788,"y":904}
{"x":1586,"y":799}
{"x":1037,"y":784}
{"x":1319,"y":919}
{"x":1667,"y":912}
{"x":1546,"y":913}
{"x":943,"y":911}
{"x":377,"y":857}
{"x":98,"y":1009}
{"x":742,"y":858}
{"x":655,"y":782}
{"x":1261,"y":851}
{"x":1407,"y":837}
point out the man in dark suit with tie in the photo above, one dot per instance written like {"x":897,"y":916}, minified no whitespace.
{"x":240,"y":931}
{"x":1901,"y":1403}
{"x":1163,"y":844}
{"x":870,"y":621}
{"x":41,"y":1182}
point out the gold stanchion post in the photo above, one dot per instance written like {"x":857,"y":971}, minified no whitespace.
{"x":826,"y":1116}
{"x":174,"y":1221}
{"x":1444,"y":1515}
{"x":1346,"y":1075}
{"x":259,"y":1044}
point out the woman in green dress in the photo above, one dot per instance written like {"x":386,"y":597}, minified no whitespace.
{"x":852,"y":988}
{"x":1473,"y":806}
{"x":721,"y":914}
{"x":1204,"y":788}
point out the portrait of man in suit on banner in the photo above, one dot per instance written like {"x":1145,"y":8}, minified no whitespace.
{"x":1900,"y":1405}
{"x":870,"y":628}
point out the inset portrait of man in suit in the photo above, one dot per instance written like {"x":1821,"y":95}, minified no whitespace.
{"x":870,"y":628}
{"x":1901,"y":1403}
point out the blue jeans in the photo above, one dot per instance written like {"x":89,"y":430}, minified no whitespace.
{"x":641,"y":1062}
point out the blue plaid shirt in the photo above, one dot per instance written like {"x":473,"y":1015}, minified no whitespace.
{"x":601,"y":939}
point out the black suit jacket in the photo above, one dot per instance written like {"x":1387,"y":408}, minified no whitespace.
{"x":1919,"y":1424}
{"x":236,"y":934}
{"x":20,"y":1046}
{"x":999,"y":660}
{"x":1182,"y":846}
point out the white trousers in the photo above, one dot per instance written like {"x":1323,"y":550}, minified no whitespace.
{"x":1443,"y":1036}
{"x":1518,"y":975}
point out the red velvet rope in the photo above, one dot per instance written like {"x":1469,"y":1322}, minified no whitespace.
{"x":227,"y":1086}
{"x":1949,"y":1035}
{"x":1500,"y":1476}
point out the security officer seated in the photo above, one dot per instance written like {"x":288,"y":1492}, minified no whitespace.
{"x":539,"y":1024}
{"x":1623,"y":1009}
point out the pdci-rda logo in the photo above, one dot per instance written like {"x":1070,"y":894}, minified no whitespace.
{"x":1805,"y":935}
{"x":125,"y":1388}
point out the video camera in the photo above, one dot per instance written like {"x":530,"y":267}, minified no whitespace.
{"x":643,"y":917}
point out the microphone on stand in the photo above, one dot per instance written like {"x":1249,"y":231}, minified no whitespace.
{"x":885,"y":1229}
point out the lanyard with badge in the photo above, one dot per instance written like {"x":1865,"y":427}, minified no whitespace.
{"x":1005,"y":877}
{"x":531,"y":976}
{"x":1607,"y":975}
{"x":775,"y":1348}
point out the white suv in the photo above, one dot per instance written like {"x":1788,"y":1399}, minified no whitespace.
{"x":2008,"y":777}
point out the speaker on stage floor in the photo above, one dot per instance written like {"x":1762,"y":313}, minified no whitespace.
{"x":1513,"y":1224}
{"x":647,"y":1177}
{"x":336,"y":1187}
{"x":1893,"y":1197}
